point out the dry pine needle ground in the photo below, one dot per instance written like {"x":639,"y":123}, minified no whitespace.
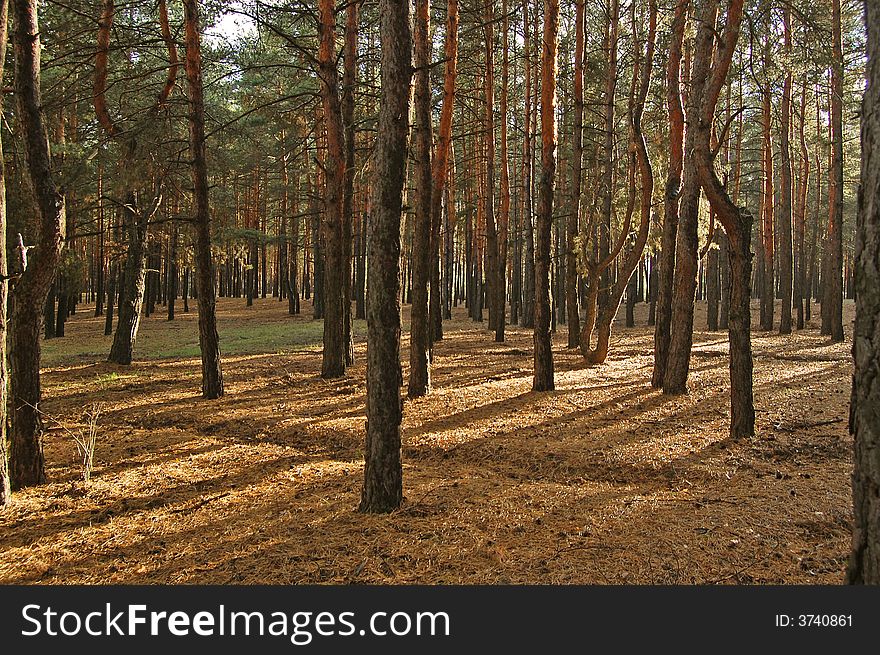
{"x":602,"y":481}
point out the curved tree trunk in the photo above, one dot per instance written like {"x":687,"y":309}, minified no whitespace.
{"x":607,"y":312}
{"x":737,"y":221}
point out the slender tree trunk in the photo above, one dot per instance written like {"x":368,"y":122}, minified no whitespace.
{"x":504,"y":213}
{"x":833,"y":284}
{"x":441,"y":166}
{"x":543,"y":378}
{"x":26,"y":464}
{"x":333,"y":361}
{"x":5,"y":486}
{"x":528,"y":292}
{"x":419,"y":354}
{"x":606,"y":313}
{"x":348,"y":85}
{"x":495,"y":294}
{"x":671,"y":196}
{"x":608,"y":161}
{"x":768,"y":287}
{"x":737,"y":222}
{"x":577,"y":158}
{"x":383,"y":477}
{"x":785,"y":202}
{"x":686,"y":248}
{"x":209,"y":340}
{"x":864,"y":563}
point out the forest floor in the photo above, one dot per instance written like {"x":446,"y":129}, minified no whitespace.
{"x":604,"y":480}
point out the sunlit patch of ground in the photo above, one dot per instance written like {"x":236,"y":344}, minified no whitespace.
{"x":604,"y":480}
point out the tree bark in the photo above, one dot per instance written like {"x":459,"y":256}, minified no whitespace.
{"x":543,"y":378}
{"x":864,"y":562}
{"x":5,"y":486}
{"x":528,"y":292}
{"x":833,"y":285}
{"x":686,"y":248}
{"x":348,"y":85}
{"x":643,"y":65}
{"x":26,"y":464}
{"x":663,"y":318}
{"x":209,"y":340}
{"x":768,"y":290}
{"x":785,"y":187}
{"x":737,"y":221}
{"x":494,"y":291}
{"x":333,"y":360}
{"x":419,"y":352}
{"x":577,"y":159}
{"x":383,"y":476}
{"x":441,"y":174}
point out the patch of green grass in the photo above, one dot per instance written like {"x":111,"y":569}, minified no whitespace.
{"x":248,"y":338}
{"x":240,"y":334}
{"x":107,"y":379}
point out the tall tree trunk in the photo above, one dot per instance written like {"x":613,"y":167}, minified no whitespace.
{"x":543,"y":378}
{"x":383,"y":476}
{"x":528,"y":292}
{"x":5,"y":486}
{"x":663,"y":319}
{"x":642,"y":68}
{"x":333,"y":360}
{"x":606,"y":190}
{"x":419,"y":355}
{"x":494,"y":292}
{"x":441,"y":174}
{"x":26,"y":464}
{"x":686,"y":255}
{"x":504,"y":208}
{"x":737,"y":221}
{"x":833,"y":284}
{"x":348,"y":84}
{"x":577,"y":159}
{"x":209,"y":340}
{"x":801,"y":288}
{"x":785,"y":190}
{"x":864,"y":563}
{"x":768,"y":287}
